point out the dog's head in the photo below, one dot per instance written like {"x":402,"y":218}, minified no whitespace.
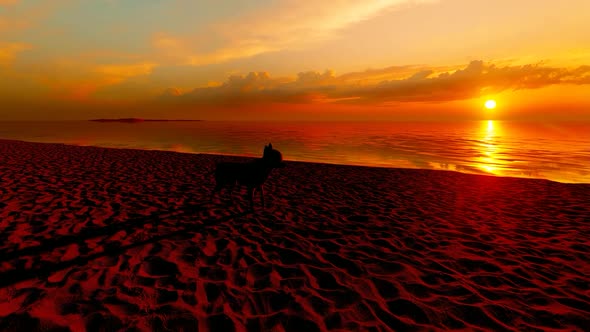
{"x":272,"y":157}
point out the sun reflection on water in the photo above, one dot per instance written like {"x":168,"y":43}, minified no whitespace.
{"x":489,"y":149}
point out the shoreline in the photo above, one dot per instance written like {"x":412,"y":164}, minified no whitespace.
{"x":300,"y":161}
{"x":113,"y":239}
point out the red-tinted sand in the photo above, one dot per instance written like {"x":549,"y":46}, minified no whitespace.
{"x":107,"y":239}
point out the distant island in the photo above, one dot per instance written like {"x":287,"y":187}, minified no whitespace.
{"x":134,"y":120}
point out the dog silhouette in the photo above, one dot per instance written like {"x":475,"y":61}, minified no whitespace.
{"x":251,"y":174}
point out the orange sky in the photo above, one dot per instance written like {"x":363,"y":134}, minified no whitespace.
{"x":295,"y":60}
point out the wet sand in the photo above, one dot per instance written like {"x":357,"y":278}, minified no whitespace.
{"x":112,"y":239}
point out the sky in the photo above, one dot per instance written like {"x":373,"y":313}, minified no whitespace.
{"x":295,"y":60}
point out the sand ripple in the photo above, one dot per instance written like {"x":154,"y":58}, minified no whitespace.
{"x":103,"y":239}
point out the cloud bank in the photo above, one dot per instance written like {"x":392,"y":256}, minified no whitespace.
{"x":424,"y":85}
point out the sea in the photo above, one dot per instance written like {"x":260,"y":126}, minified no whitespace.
{"x":553,"y":151}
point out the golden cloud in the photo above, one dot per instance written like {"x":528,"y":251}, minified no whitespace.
{"x":8,"y":52}
{"x":474,"y":80}
{"x":68,"y":79}
{"x":286,"y":24}
{"x":8,"y":2}
{"x":15,"y":19}
{"x":103,"y":76}
{"x":112,"y":74}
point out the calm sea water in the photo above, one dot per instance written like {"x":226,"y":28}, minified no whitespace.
{"x":559,"y":152}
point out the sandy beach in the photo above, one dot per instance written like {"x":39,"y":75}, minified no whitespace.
{"x":126,"y":240}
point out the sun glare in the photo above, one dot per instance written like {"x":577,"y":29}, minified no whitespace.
{"x":490,"y":104}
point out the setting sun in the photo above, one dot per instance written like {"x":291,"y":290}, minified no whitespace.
{"x":490,"y":104}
